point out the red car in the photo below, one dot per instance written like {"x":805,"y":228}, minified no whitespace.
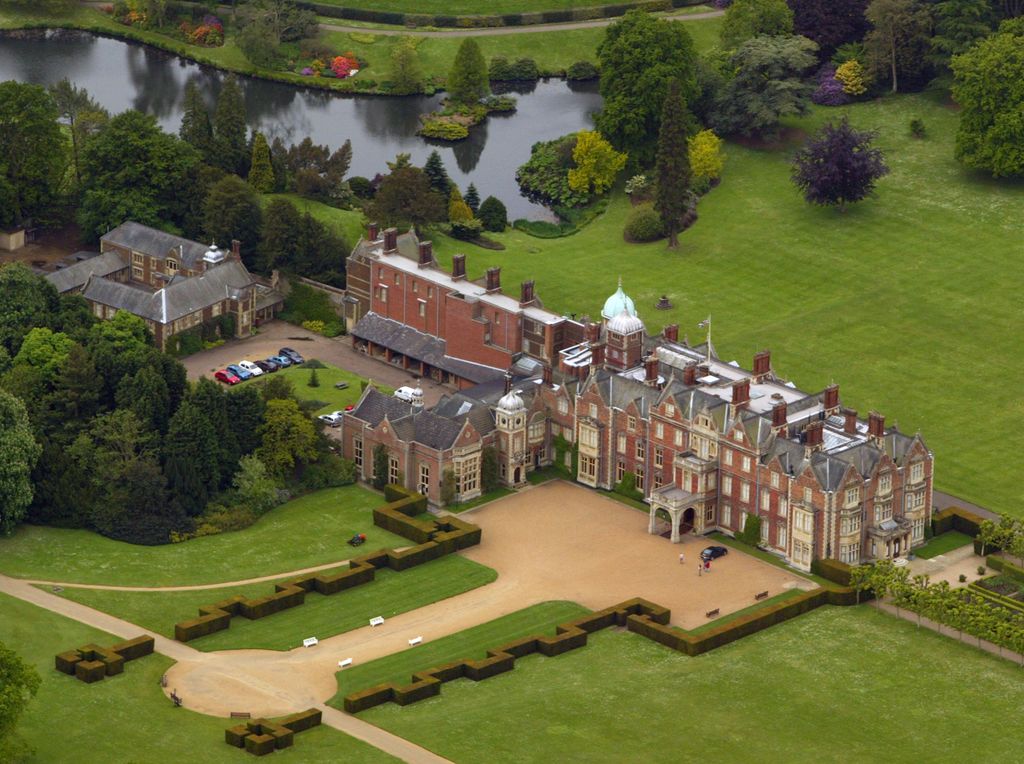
{"x":227,"y":377}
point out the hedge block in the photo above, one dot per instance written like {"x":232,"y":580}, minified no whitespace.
{"x":65,"y":662}
{"x":410,"y":693}
{"x":303,"y":720}
{"x":259,"y":745}
{"x":368,"y":698}
{"x":236,"y":735}
{"x":135,"y":648}
{"x":835,"y":571}
{"x":90,"y":671}
{"x":494,"y":664}
{"x":566,"y":640}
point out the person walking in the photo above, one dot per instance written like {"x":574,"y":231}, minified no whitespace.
{"x":700,"y":568}
{"x":707,"y":566}
{"x":682,"y":558}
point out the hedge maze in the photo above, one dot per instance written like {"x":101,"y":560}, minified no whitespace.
{"x":432,"y":539}
{"x":260,"y":736}
{"x":91,"y":663}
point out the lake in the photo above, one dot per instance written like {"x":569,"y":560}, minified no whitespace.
{"x":121,"y":75}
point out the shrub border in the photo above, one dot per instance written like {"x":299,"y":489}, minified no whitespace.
{"x":90,"y":663}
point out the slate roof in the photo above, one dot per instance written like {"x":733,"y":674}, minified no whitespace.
{"x":150,"y":241}
{"x":375,"y":405}
{"x":179,"y":298}
{"x":75,"y":276}
{"x":403,"y":339}
{"x":429,"y":429}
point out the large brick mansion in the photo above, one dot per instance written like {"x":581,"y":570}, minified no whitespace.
{"x":708,"y":441}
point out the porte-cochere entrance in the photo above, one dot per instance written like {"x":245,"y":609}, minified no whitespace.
{"x":675,"y":512}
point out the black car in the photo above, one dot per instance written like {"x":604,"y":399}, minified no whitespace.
{"x":289,"y":353}
{"x":267,"y":366}
{"x":714,"y":552}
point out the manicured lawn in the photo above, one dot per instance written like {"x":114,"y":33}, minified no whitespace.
{"x":471,"y":643}
{"x":126,"y":718}
{"x":947,"y":542}
{"x":837,"y":684}
{"x":311,"y":530}
{"x":388,"y":595}
{"x":884,"y":299}
{"x":346,"y":223}
{"x":468,"y":7}
{"x":331,"y":398}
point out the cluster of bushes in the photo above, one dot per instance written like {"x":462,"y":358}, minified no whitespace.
{"x":582,"y":70}
{"x":493,"y":20}
{"x":544,"y":178}
{"x":520,"y":70}
{"x":643,"y":224}
{"x":442,"y":128}
{"x":208,"y":334}
{"x":194,"y":24}
{"x":91,"y":663}
{"x":261,"y":736}
{"x":304,"y":304}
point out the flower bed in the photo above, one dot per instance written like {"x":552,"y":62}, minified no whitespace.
{"x":207,"y":31}
{"x":339,"y":67}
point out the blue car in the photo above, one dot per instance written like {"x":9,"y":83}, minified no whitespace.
{"x":239,"y":372}
{"x":281,"y":360}
{"x":291,"y":355}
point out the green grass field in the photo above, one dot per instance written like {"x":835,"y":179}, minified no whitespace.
{"x":884,"y":299}
{"x":835,"y":685}
{"x":470,"y":7}
{"x":388,"y":595}
{"x":326,"y":393}
{"x":126,"y":718}
{"x":311,"y":530}
{"x":947,"y":542}
{"x":471,"y":643}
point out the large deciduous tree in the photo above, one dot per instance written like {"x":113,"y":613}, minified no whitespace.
{"x":467,"y":80}
{"x":190,"y":452}
{"x":767,"y":85}
{"x":232,"y":211}
{"x":288,"y":438}
{"x":33,"y":153}
{"x":838,"y":165}
{"x":405,"y":197}
{"x":672,"y":173}
{"x":133,"y":170}
{"x":749,"y":18}
{"x":406,"y":71}
{"x":898,"y":42}
{"x":26,"y":301}
{"x":19,"y":683}
{"x":989,"y":86}
{"x":830,"y":23}
{"x":231,"y":147}
{"x":18,"y":453}
{"x":597,"y":163}
{"x":638,"y":56}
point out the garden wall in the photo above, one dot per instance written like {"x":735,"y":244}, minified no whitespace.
{"x":432,"y":538}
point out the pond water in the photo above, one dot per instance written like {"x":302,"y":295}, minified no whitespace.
{"x":122,"y":75}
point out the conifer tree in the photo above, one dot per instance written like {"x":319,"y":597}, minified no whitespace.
{"x":472,"y":198}
{"x":467,"y":81}
{"x":229,"y":133}
{"x":261,"y":172}
{"x":672,"y":167}
{"x":406,"y":71}
{"x":438,"y":176}
{"x":195,"y":122}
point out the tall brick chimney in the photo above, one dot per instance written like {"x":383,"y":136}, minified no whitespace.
{"x":779,"y":415}
{"x":426,"y":252}
{"x":671,"y":333}
{"x":651,"y":370}
{"x":741,"y":392}
{"x":390,"y":239}
{"x":526,"y":293}
{"x":831,"y":398}
{"x":494,"y":279}
{"x":372,"y":232}
{"x":762,"y":364}
{"x":876,"y":426}
{"x":850,"y":421}
{"x":458,"y":267}
{"x":236,"y":250}
{"x":597,"y":356}
{"x":546,"y":374}
{"x":690,"y":374}
{"x":592,"y":332}
{"x":508,"y":382}
{"x":814,"y":435}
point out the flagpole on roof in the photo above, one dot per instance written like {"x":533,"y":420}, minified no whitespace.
{"x":706,"y":324}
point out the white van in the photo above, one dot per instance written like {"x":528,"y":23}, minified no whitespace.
{"x":405,"y":394}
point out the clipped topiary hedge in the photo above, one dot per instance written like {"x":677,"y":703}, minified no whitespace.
{"x":260,"y":736}
{"x":956,"y":519}
{"x":92,"y":662}
{"x":835,"y":571}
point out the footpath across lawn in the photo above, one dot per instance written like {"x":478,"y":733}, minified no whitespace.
{"x":127,"y":718}
{"x":844,"y":684}
{"x":311,"y":530}
{"x":389,"y":594}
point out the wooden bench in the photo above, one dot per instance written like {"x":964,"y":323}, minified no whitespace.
{"x":761,"y":596}
{"x":711,"y":613}
{"x":241,"y":715}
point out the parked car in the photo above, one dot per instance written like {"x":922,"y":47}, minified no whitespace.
{"x":267,"y":366}
{"x":714,"y":552}
{"x":227,"y":377}
{"x":350,"y":406}
{"x":238,"y":371}
{"x":252,"y":368}
{"x":295,"y":357}
{"x":282,"y":361}
{"x":404,"y":394}
{"x":343,"y":385}
{"x":333,"y":419}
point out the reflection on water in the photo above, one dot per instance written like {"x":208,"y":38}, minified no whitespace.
{"x":126,"y":76}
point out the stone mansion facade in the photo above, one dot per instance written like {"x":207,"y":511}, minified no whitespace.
{"x":708,"y":442}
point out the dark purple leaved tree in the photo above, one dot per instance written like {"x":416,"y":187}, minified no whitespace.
{"x":838,"y":165}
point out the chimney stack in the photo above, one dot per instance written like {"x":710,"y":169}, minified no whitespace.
{"x":508,"y":382}
{"x":236,"y":249}
{"x":458,"y":267}
{"x":671,"y":333}
{"x":814,"y":435}
{"x":426,"y":250}
{"x":779,"y":415}
{"x":831,"y":398}
{"x":494,"y":279}
{"x":390,"y":239}
{"x":372,"y":232}
{"x":651,"y":370}
{"x":876,"y":426}
{"x":762,"y":365}
{"x":596,"y":356}
{"x":546,"y":372}
{"x":741,"y":392}
{"x":526,"y":293}
{"x":592,"y":332}
{"x":850,"y":421}
{"x":690,"y":374}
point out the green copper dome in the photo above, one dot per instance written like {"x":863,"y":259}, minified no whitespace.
{"x":617,"y":303}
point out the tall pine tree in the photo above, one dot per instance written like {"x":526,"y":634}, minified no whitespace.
{"x":195,"y":122}
{"x":261,"y":172}
{"x":467,"y":80}
{"x":229,"y":134}
{"x":191,"y":457}
{"x":473,"y":198}
{"x":438,"y":176}
{"x":672,"y":166}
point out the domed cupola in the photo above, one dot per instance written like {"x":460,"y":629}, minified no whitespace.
{"x":511,"y":403}
{"x":617,"y":303}
{"x":625,"y":324}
